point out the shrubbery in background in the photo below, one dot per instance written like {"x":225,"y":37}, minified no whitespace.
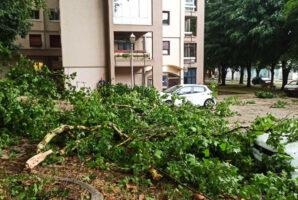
{"x":265,"y":94}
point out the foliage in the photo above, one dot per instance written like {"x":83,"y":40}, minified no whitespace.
{"x":265,"y":94}
{"x":251,"y":102}
{"x":138,"y":132}
{"x":14,"y":17}
{"x":36,"y":82}
{"x":279,"y":104}
{"x":29,"y":187}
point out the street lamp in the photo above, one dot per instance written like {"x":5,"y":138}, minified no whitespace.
{"x":132,"y":39}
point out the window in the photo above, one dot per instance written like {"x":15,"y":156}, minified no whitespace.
{"x":190,"y":52}
{"x":35,"y":15}
{"x":191,"y":26}
{"x":165,"y":81}
{"x":137,"y":12}
{"x":35,"y":40}
{"x":54,"y":15}
{"x":190,"y":5}
{"x":198,"y":89}
{"x":185,"y":90}
{"x":166,"y":18}
{"x":190,"y":77}
{"x":166,"y":48}
{"x":124,"y":45}
{"x":55,"y":41}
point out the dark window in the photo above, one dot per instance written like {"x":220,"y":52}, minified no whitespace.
{"x":191,"y":26}
{"x":35,"y":14}
{"x":54,"y":15}
{"x":55,"y":41}
{"x":190,"y":52}
{"x":166,"y":17}
{"x":166,"y":48}
{"x":190,"y":77}
{"x":35,"y":40}
{"x":124,"y":45}
{"x":165,"y":81}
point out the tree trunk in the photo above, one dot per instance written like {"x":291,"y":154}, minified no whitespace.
{"x":219,"y":75}
{"x":285,"y":74}
{"x":241,"y":75}
{"x":248,"y":75}
{"x":258,"y":72}
{"x":223,"y":75}
{"x":233,"y":73}
{"x":272,"y":73}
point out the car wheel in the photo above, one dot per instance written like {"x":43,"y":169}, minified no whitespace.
{"x":209,"y":103}
{"x":169,"y":102}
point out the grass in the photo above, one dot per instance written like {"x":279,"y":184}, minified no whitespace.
{"x":233,"y":88}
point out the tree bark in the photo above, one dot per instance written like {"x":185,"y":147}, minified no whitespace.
{"x":223,"y":75}
{"x":258,"y":72}
{"x":272,"y":73}
{"x":233,"y":73}
{"x":285,"y":74}
{"x":241,"y":75}
{"x":248,"y":75}
{"x":219,"y":75}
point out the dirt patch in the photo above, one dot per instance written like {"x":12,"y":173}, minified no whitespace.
{"x":247,"y":113}
{"x":109,"y":182}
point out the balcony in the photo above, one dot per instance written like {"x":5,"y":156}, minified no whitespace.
{"x":142,"y":49}
{"x":140,"y":58}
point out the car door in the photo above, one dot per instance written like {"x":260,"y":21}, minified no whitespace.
{"x":198,"y":95}
{"x":185,"y":92}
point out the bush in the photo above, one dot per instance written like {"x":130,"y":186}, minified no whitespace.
{"x":265,"y":94}
{"x":279,"y":104}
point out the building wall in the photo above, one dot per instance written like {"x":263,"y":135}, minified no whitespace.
{"x":155,"y":28}
{"x":43,"y":26}
{"x":83,"y":39}
{"x":174,"y":32}
{"x":200,"y":41}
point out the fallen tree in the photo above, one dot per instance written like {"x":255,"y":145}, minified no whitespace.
{"x":134,"y":131}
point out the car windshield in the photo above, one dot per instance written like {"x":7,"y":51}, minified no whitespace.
{"x":293,"y":83}
{"x":172,"y":89}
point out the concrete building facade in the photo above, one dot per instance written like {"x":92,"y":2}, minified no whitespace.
{"x":43,"y":43}
{"x":183,"y":34}
{"x":91,"y":38}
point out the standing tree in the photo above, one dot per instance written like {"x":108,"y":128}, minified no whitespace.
{"x":219,"y":49}
{"x":14,"y":15}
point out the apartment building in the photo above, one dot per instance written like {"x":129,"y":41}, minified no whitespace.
{"x":43,"y":43}
{"x":95,"y":41}
{"x":183,"y":42}
{"x":168,"y":49}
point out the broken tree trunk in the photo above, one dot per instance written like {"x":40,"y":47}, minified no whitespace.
{"x":35,"y":160}
{"x":64,"y":128}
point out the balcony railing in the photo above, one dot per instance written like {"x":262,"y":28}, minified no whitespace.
{"x":188,"y":33}
{"x":140,"y":57}
{"x":188,"y":60}
{"x":190,"y":7}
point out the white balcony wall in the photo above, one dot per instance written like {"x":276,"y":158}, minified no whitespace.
{"x":133,"y":12}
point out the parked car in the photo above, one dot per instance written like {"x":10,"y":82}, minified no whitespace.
{"x":291,"y":89}
{"x":261,"y":80}
{"x":199,"y":95}
{"x":262,"y":148}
